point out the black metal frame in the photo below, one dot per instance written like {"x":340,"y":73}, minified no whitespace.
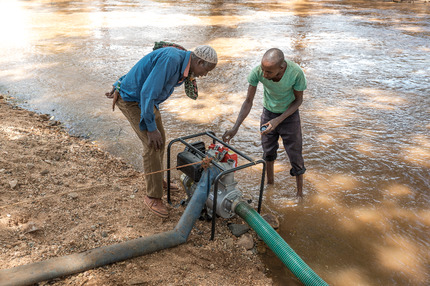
{"x":224,"y":172}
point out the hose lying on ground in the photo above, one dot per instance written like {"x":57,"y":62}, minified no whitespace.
{"x":287,"y":255}
{"x":79,"y":262}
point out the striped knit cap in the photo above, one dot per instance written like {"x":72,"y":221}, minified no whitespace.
{"x":206,"y":53}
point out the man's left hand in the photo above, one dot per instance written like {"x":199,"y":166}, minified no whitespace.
{"x":155,"y":140}
{"x":268,"y":129}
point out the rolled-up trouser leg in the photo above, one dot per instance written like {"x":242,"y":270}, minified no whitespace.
{"x":152,"y":159}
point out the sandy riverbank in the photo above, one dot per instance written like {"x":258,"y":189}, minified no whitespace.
{"x":60,"y":195}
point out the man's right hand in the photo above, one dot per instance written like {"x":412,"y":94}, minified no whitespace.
{"x":155,"y":140}
{"x":114,"y":94}
{"x":228,"y":135}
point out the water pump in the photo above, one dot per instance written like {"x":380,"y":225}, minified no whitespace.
{"x":227,"y":188}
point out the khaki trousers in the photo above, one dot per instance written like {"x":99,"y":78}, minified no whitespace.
{"x":152,"y":159}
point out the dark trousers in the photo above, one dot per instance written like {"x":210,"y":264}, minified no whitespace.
{"x":290,"y":131}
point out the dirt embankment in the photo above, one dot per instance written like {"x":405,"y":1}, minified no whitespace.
{"x":61,"y":195}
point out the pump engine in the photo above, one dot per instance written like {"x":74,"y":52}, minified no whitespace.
{"x":227,"y":187}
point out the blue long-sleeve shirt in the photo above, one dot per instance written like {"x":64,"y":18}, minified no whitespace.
{"x":152,"y":80}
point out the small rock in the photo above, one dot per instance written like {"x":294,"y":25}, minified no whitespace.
{"x":73,"y":196}
{"x":13,"y":184}
{"x":137,"y":281}
{"x":104,"y":234}
{"x":53,"y":123}
{"x":238,"y":229}
{"x":246,"y":242}
{"x":261,"y":247}
{"x":229,"y":242}
{"x":30,"y":228}
{"x":44,"y":117}
{"x":272,"y":220}
{"x":30,"y":166}
{"x":44,"y":172}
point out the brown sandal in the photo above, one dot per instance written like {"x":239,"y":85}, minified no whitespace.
{"x":156,"y":206}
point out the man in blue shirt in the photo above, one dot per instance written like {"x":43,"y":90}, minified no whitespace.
{"x":139,"y":94}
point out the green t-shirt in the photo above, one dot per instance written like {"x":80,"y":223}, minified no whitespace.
{"x":279,"y":95}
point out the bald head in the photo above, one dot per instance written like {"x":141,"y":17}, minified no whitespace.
{"x":273,"y":64}
{"x":273,"y":57}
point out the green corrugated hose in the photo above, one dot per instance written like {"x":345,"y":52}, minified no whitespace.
{"x":287,"y":255}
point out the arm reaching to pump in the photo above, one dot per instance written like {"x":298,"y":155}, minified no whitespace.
{"x":244,"y":111}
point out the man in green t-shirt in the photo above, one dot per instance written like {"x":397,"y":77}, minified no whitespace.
{"x":284,"y":83}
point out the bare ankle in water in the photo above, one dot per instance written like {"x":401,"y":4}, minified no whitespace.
{"x":270,"y":172}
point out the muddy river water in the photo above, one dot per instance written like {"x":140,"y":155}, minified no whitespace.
{"x":365,"y":216}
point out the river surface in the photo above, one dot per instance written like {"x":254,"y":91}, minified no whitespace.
{"x":365,"y":217}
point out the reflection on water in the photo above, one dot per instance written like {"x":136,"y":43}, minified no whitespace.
{"x":365,"y":218}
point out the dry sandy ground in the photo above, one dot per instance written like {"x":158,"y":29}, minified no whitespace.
{"x":61,"y":195}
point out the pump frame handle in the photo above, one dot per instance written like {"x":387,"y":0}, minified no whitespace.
{"x":224,"y":172}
